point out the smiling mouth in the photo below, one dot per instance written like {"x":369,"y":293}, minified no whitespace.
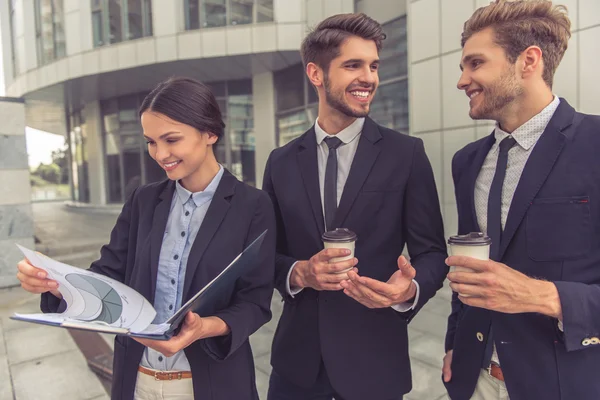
{"x":473,"y":93}
{"x":170,"y":166}
{"x":361,"y":95}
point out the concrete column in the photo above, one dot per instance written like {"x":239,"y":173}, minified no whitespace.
{"x":95,"y":153}
{"x":16,"y":221}
{"x":263,"y":93}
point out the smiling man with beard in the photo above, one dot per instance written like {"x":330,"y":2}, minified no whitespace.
{"x":525,"y":324}
{"x":344,"y":334}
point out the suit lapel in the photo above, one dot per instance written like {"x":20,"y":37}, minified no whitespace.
{"x":159,"y":225}
{"x":365,"y":157}
{"x":214,"y":216}
{"x":538,"y":167}
{"x":307,"y":161}
{"x":474,"y":168}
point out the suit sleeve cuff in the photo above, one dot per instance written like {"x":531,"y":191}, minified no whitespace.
{"x":292,"y":291}
{"x":409,"y":306}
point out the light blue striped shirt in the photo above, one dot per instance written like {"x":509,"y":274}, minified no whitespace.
{"x":185,"y":218}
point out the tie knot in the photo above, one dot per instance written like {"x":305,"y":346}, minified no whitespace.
{"x":507,"y":143}
{"x":333,"y":142}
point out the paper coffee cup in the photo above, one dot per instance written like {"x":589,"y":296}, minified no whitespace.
{"x":340,"y":238}
{"x":474,"y":244}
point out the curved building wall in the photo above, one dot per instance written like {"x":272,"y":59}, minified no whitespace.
{"x":87,"y":84}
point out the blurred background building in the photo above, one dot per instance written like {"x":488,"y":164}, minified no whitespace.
{"x":82,"y":68}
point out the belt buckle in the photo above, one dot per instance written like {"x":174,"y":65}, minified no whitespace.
{"x":156,"y":375}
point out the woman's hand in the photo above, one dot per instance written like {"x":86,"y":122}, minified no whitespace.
{"x":194,"y":328}
{"x":35,"y":280}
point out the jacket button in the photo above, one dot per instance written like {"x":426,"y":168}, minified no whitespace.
{"x":595,"y":340}
{"x":586,"y":342}
{"x":480,"y":336}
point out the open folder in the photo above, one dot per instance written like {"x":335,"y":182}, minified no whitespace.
{"x":98,"y":303}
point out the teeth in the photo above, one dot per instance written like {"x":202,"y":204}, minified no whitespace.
{"x":171,"y":164}
{"x":360,"y":94}
{"x":474,"y":94}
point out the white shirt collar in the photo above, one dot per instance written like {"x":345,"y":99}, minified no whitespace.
{"x":346,"y":135}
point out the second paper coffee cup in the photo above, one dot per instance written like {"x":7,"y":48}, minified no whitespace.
{"x":474,"y":244}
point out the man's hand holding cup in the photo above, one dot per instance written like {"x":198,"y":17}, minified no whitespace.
{"x":321,"y":274}
{"x":326,"y":269}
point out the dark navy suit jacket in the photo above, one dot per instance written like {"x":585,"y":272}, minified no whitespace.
{"x":222,"y":367}
{"x":389,"y":200}
{"x":552,"y":233}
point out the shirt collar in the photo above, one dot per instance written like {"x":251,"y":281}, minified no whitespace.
{"x":529,"y":133}
{"x":183,"y":194}
{"x":346,"y":135}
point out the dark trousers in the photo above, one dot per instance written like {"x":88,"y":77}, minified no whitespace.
{"x":282,"y":389}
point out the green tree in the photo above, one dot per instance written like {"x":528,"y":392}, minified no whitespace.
{"x":59,"y":157}
{"x":49,"y":173}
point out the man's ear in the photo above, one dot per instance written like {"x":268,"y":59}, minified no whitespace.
{"x":315,"y":74}
{"x":532,"y":61}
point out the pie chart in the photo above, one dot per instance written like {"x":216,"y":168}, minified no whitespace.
{"x":102,"y":302}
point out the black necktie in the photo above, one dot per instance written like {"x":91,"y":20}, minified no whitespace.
{"x":494,"y":221}
{"x":494,"y":210}
{"x":330,"y":189}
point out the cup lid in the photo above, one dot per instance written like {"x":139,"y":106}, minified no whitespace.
{"x":339,"y":235}
{"x":471,"y":239}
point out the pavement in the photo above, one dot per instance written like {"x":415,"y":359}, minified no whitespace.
{"x":40,"y":363}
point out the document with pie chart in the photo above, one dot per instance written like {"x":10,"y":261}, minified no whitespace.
{"x":96,"y":302}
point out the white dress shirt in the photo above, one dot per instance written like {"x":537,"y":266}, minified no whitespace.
{"x":350,"y":136}
{"x":526,"y":136}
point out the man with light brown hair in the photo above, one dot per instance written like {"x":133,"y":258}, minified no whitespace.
{"x":526,"y":323}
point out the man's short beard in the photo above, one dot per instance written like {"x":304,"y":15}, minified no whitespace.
{"x":338,"y":103}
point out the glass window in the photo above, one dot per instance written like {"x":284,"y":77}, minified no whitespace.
{"x":264,"y":11}
{"x":289,"y":86}
{"x":241,"y":12}
{"x":58,"y":23}
{"x":192,"y":14}
{"x":50,"y":34}
{"x":292,"y":125}
{"x":97,"y":28}
{"x":132,"y":168}
{"x":213,"y":13}
{"x":116,"y":20}
{"x":390,"y":106}
{"x":394,"y":57}
{"x":139,"y":18}
{"x":134,"y":19}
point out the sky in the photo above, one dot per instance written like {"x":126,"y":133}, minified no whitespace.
{"x":40,"y":144}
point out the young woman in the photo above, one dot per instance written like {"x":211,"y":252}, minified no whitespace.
{"x":171,"y":239}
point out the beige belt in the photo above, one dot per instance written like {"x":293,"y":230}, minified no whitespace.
{"x":165,"y":376}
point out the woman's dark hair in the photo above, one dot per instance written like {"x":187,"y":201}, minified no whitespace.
{"x":187,"y":101}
